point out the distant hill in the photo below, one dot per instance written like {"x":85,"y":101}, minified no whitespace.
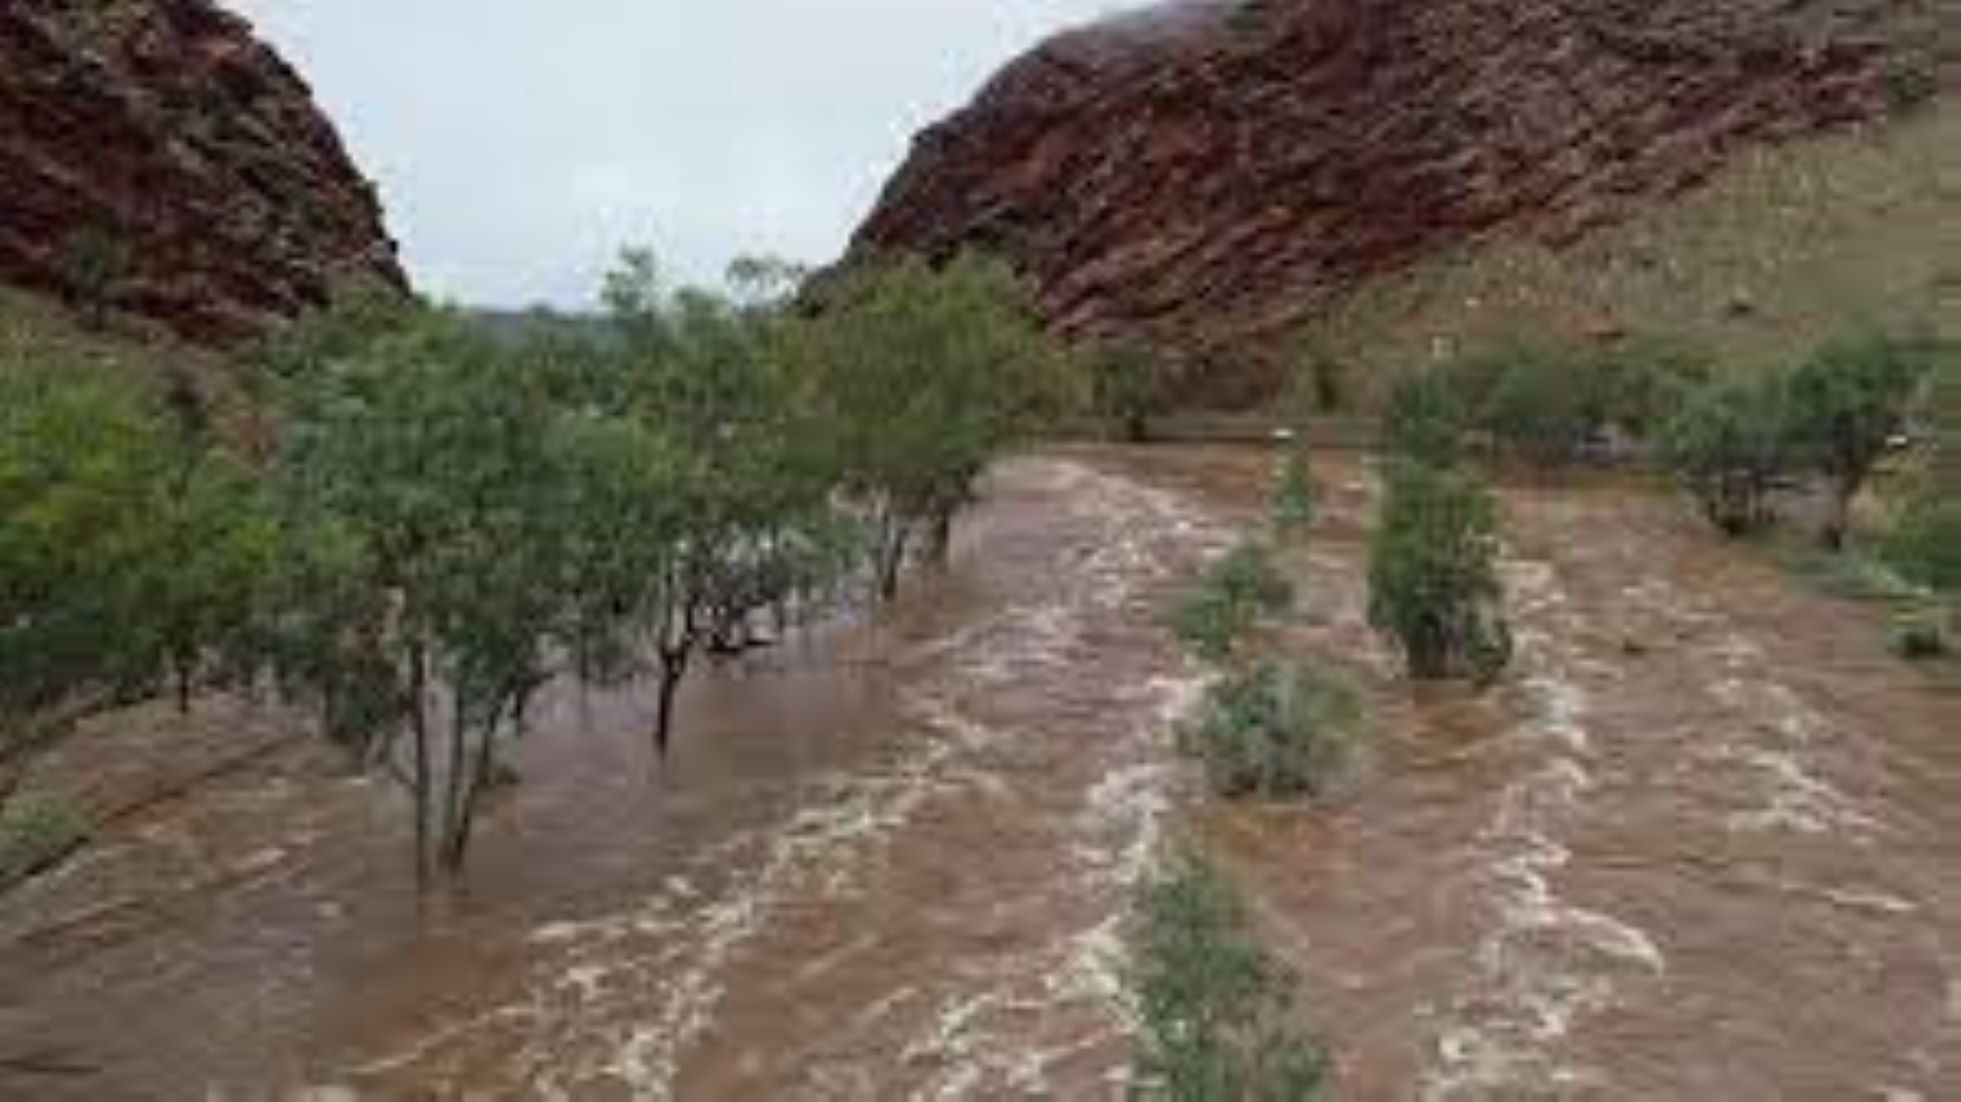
{"x":158,"y":160}
{"x":1218,"y":178}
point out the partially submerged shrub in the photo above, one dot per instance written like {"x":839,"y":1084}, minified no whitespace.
{"x":1925,"y":544}
{"x":1215,"y":1012}
{"x":1295,"y":496}
{"x":1729,"y":447}
{"x":1275,"y":732}
{"x":36,"y":832}
{"x":1425,"y":418}
{"x":1232,"y":596}
{"x":1433,"y":579}
{"x":1922,"y":634}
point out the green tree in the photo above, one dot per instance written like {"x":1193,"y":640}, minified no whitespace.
{"x":1124,"y":385}
{"x":1729,"y":447}
{"x":426,"y":459}
{"x":1216,"y":1013}
{"x":925,"y":375}
{"x":1844,"y":404}
{"x":730,"y":506}
{"x":1433,"y":581}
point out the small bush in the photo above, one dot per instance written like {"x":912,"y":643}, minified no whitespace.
{"x":1433,"y":579}
{"x":1295,"y":496}
{"x":35,"y":833}
{"x":1541,"y":406}
{"x":1922,"y":634}
{"x":1275,"y":732}
{"x":1232,"y":596}
{"x":1925,"y":544}
{"x":1215,"y":1013}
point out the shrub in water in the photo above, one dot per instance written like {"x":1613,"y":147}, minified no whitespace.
{"x":1276,"y":731}
{"x":1215,"y":1012}
{"x":1433,"y":579}
{"x":1231,"y":597}
{"x":1295,"y":498}
{"x":35,"y":833}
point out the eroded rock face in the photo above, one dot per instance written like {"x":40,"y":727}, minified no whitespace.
{"x":1205,"y":173}
{"x":153,"y":152}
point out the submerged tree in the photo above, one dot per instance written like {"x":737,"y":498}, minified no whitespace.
{"x":924,"y":375}
{"x":1729,"y":447}
{"x":419,"y":472}
{"x":1433,"y":580}
{"x":1844,"y":404}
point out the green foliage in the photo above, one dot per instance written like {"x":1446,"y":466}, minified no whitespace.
{"x":1842,"y":406}
{"x":1640,"y":383}
{"x":1912,"y":82}
{"x":1275,"y":732}
{"x":1433,"y":582}
{"x":37,"y":832}
{"x":1925,"y":543}
{"x":130,"y":545}
{"x":1216,"y":1013}
{"x":924,"y":375}
{"x":1123,"y":388}
{"x":1234,"y":594}
{"x":93,"y":262}
{"x":1536,"y":403}
{"x":1922,"y":633}
{"x":1730,"y":448}
{"x":1296,"y":499}
{"x":1425,"y":418}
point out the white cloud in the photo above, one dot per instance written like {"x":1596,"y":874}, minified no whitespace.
{"x":518,"y":144}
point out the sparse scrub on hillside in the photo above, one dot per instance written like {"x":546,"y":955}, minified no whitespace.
{"x":1234,"y":594}
{"x":1216,"y":1014}
{"x":1276,"y":731}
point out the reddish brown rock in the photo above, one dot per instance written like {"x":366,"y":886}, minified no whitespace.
{"x":159,"y":143}
{"x":1205,"y":173}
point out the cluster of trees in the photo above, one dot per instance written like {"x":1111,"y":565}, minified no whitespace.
{"x":1735,"y":444}
{"x":452,"y":519}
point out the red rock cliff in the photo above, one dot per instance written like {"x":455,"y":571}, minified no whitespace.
{"x":156,"y":151}
{"x":1206,"y":172}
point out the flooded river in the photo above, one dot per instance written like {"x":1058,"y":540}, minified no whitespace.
{"x":1705,"y":843}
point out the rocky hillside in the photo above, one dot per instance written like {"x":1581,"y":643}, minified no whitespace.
{"x":1214,"y":174}
{"x":156,"y":159}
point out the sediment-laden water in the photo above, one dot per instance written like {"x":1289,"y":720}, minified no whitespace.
{"x":1705,"y":842}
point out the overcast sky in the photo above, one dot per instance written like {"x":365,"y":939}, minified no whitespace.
{"x":520,"y":143}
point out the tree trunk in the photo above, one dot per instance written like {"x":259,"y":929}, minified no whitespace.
{"x":1838,"y":519}
{"x":939,"y":537}
{"x":673,"y":669}
{"x":892,"y":560}
{"x":418,"y":681}
{"x":184,"y":678}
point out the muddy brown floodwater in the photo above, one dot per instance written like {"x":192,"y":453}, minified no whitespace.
{"x":1705,"y":843}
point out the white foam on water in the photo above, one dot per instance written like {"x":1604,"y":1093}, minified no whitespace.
{"x":1544,"y":962}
